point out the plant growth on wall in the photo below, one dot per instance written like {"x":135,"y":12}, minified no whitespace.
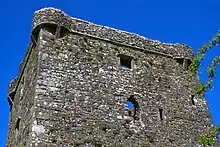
{"x":207,"y":138}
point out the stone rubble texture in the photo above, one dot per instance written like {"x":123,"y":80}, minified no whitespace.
{"x":71,"y":90}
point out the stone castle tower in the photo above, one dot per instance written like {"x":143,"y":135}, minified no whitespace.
{"x":81,"y":84}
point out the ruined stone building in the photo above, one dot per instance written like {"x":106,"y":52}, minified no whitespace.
{"x":82,"y":84}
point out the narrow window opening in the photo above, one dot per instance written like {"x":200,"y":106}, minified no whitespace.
{"x":17,"y":125}
{"x":50,"y":28}
{"x":125,"y":61}
{"x":63,"y":32}
{"x":133,"y":106}
{"x":192,"y":99}
{"x":184,"y":62}
{"x":161,"y":114}
{"x":180,"y":60}
{"x":188,"y":64}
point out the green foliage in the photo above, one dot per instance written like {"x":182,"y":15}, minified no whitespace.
{"x":207,"y":138}
{"x":201,"y":89}
{"x":196,"y":63}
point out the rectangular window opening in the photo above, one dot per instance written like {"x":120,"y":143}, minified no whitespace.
{"x":125,"y":61}
{"x":161,"y":114}
{"x":50,"y":28}
{"x":133,"y":107}
{"x":192,"y":99}
{"x":188,"y":64}
{"x":63,"y":32}
{"x":180,"y":60}
{"x":17,"y":125}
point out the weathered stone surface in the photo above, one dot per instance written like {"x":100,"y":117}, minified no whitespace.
{"x":22,"y":109}
{"x":75,"y":91}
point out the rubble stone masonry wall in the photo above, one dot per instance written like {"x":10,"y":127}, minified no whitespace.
{"x":80,"y":77}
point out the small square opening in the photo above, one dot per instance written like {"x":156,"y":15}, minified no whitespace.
{"x":180,"y":60}
{"x":125,"y":61}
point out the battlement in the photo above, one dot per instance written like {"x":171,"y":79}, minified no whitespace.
{"x":55,"y":17}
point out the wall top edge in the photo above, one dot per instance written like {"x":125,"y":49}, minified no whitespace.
{"x":71,"y":20}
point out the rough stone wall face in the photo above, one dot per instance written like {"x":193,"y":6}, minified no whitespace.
{"x":21,"y":110}
{"x":82,"y":91}
{"x":54,"y":16}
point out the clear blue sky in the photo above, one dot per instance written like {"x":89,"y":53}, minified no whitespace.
{"x":192,"y":22}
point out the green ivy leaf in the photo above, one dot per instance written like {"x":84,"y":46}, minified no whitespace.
{"x":201,"y":89}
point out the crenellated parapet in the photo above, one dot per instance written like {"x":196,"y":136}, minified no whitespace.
{"x":58,"y":20}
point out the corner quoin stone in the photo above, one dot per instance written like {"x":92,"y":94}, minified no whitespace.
{"x":76,"y":81}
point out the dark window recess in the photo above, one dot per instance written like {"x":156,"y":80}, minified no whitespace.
{"x":161,"y":114}
{"x":11,"y":97}
{"x":192,"y":99}
{"x":185,"y":62}
{"x":133,"y":107}
{"x":125,"y":61}
{"x":188,"y":63}
{"x":17,"y":125}
{"x":85,"y":40}
{"x":180,"y":60}
{"x":63,"y":32}
{"x":50,"y":28}
{"x":70,"y":49}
